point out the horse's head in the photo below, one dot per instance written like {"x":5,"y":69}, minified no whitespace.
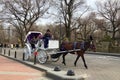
{"x":90,"y":44}
{"x":92,"y":47}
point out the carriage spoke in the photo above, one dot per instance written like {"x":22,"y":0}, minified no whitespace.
{"x":42,"y":56}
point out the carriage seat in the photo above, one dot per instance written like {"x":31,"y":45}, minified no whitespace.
{"x":53,"y":44}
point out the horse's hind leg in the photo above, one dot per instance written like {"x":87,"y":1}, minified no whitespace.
{"x":64,"y":58}
{"x":84,"y":61}
{"x":76,"y":60}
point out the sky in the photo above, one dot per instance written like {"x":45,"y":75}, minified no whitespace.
{"x":49,"y":20}
{"x":89,"y":2}
{"x":92,"y":2}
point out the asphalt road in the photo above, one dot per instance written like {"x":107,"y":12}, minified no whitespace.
{"x":100,"y":67}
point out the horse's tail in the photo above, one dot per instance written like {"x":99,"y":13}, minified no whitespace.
{"x":56,"y":55}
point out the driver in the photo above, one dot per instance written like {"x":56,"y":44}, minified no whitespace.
{"x":47,"y":36}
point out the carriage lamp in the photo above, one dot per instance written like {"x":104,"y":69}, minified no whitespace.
{"x":57,"y":68}
{"x":70,"y":73}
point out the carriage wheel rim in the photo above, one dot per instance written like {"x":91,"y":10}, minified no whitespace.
{"x":42,"y":57}
{"x":55,"y":59}
{"x":26,"y":53}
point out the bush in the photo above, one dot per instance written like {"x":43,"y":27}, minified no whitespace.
{"x":107,"y":38}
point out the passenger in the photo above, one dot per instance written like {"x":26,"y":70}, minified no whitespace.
{"x":33,"y":41}
{"x":47,"y":36}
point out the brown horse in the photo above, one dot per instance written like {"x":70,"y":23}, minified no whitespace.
{"x":76,"y":45}
{"x":83,"y":46}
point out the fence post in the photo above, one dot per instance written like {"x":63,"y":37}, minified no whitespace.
{"x":34,"y":59}
{"x":23,"y":56}
{"x":9,"y":53}
{"x":15,"y":56}
{"x":4,"y":51}
{"x":1,"y":50}
{"x":35,"y":54}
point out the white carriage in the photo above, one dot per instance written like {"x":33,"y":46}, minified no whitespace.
{"x":43,"y":53}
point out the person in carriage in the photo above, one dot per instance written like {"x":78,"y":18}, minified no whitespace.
{"x":47,"y":36}
{"x":33,"y":41}
{"x":33,"y":37}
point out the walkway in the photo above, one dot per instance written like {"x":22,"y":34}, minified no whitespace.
{"x":12,"y":70}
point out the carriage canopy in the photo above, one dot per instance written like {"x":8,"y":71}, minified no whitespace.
{"x":32,"y":34}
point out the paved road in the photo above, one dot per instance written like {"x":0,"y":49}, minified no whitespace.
{"x":99,"y":67}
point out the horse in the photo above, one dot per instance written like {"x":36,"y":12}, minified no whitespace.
{"x":83,"y":46}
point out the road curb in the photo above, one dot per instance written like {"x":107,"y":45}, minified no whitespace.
{"x":55,"y":75}
{"x":105,"y":54}
{"x":63,"y":75}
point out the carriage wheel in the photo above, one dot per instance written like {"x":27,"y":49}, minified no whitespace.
{"x":26,"y":53}
{"x":42,"y":56}
{"x":54,"y":59}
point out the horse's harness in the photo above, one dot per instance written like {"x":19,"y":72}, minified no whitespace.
{"x":75,"y":45}
{"x":81,"y":45}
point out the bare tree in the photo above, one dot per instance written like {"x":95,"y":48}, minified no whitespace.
{"x":110,"y":11}
{"x":2,"y":34}
{"x":67,"y":11}
{"x":23,"y":14}
{"x":86,"y":26}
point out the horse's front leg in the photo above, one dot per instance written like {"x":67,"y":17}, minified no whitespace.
{"x":84,"y":61}
{"x":64,"y":54}
{"x":76,"y":60}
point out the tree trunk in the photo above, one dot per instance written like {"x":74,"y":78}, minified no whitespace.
{"x":68,"y":33}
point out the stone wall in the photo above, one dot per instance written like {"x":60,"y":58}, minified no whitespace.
{"x":107,"y":47}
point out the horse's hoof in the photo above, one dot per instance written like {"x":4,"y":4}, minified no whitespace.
{"x":64,"y":63}
{"x":74,"y":64}
{"x":86,"y":67}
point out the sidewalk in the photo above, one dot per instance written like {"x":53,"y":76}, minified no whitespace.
{"x":12,"y":70}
